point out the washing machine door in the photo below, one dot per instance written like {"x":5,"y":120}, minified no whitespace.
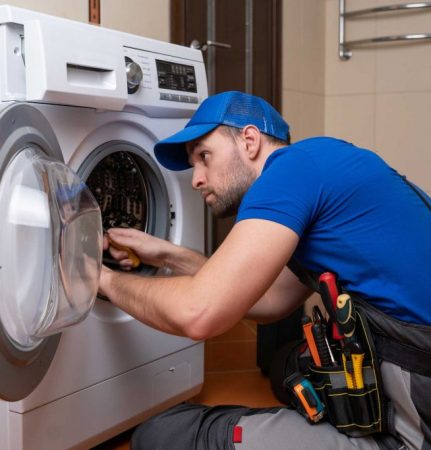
{"x":50,"y":249}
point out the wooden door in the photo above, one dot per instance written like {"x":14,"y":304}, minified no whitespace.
{"x":252,"y":29}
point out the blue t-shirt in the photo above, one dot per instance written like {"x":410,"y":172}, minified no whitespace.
{"x":355,"y":217}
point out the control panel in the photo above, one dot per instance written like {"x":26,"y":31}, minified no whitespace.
{"x":176,"y":77}
{"x":101,"y":68}
{"x":167,"y":82}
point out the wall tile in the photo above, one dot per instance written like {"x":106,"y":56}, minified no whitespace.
{"x":312,"y":65}
{"x":404,"y":67}
{"x":304,"y":113}
{"x":76,"y":10}
{"x":291,"y":111}
{"x":351,"y":117}
{"x":149,"y":18}
{"x":356,"y":75}
{"x":291,"y":45}
{"x":403,"y":134}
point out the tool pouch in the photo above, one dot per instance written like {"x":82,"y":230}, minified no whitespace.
{"x":353,"y":411}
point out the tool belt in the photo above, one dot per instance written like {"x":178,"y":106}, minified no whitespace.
{"x":348,"y":382}
{"x":351,"y":390}
{"x":351,"y":397}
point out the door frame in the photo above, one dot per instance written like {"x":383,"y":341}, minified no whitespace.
{"x":178,"y":24}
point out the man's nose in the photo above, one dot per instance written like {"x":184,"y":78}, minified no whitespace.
{"x":198,"y":178}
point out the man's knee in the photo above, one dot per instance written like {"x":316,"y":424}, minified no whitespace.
{"x":176,"y":425}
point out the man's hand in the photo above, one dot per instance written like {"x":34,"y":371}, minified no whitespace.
{"x":149,"y":249}
{"x":153,"y":251}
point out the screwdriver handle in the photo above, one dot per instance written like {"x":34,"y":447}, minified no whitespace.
{"x":130,"y":253}
{"x":347,"y":373}
{"x":346,"y":316}
{"x":329,"y":292}
{"x":358,"y":360}
{"x":307,"y":328}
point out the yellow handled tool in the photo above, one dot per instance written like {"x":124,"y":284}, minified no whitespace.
{"x":130,"y":253}
{"x":357,"y":361}
{"x":353,"y":358}
{"x":347,"y":373}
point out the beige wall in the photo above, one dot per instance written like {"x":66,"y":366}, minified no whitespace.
{"x":148,"y":18}
{"x":303,"y":84}
{"x":380,"y":98}
{"x":75,"y":10}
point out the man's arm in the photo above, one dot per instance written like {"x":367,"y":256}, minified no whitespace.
{"x":285,"y":295}
{"x":219,"y":294}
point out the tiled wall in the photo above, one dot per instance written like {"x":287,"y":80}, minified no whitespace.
{"x":304,"y":66}
{"x":380,"y":98}
{"x":75,"y":10}
{"x":149,"y":18}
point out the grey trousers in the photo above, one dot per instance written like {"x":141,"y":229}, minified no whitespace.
{"x":199,"y":427}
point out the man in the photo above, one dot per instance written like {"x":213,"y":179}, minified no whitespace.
{"x":331,"y":206}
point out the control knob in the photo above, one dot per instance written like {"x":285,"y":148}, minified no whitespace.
{"x":134,"y":75}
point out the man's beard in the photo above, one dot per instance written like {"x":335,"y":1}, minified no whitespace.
{"x":237,"y":180}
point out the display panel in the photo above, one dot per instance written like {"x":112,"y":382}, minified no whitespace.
{"x":176,"y":77}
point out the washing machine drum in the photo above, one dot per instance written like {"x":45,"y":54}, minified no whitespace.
{"x":50,"y":250}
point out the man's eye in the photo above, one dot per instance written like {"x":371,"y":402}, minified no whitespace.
{"x":204,"y":156}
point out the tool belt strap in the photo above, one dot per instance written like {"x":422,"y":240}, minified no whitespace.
{"x":404,"y":344}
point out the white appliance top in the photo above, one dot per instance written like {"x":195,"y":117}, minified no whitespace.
{"x":54,"y":60}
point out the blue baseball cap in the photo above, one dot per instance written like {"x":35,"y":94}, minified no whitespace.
{"x":234,"y":109}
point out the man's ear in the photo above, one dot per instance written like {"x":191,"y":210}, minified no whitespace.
{"x":253,"y":141}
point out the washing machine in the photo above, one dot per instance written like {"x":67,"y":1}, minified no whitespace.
{"x":81,"y":109}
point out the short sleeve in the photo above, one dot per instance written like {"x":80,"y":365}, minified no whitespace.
{"x":287,"y":192}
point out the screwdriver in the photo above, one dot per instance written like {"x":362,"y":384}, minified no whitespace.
{"x":353,"y":354}
{"x":307,"y":325}
{"x":346,"y":317}
{"x":130,"y":253}
{"x":329,"y":293}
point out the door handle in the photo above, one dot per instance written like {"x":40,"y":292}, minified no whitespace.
{"x":198,"y":46}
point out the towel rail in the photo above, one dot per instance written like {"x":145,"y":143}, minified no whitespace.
{"x":345,"y":47}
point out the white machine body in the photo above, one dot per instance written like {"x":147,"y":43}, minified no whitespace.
{"x":107,"y":97}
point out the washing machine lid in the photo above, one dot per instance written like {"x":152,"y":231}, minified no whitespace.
{"x":50,"y":249}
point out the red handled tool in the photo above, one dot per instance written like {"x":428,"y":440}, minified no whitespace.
{"x":329,"y":293}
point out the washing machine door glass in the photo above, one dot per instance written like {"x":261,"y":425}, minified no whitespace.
{"x":51,"y":248}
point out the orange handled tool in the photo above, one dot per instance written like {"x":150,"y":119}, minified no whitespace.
{"x":307,"y":326}
{"x":130,"y":253}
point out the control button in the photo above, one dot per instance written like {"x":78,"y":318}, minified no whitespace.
{"x":134,"y":75}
